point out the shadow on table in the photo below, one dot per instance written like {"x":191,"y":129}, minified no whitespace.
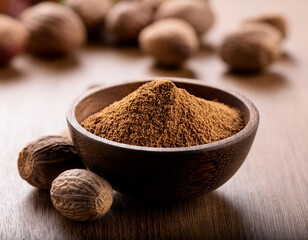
{"x":263,"y":81}
{"x":206,"y":217}
{"x":128,"y":50}
{"x":208,"y":48}
{"x":10,"y":73}
{"x":182,"y":72}
{"x":287,"y":58}
{"x":61,"y":63}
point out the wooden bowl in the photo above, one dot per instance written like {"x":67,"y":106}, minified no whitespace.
{"x":161,"y":173}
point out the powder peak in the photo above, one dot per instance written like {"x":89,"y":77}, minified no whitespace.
{"x":159,"y":85}
{"x":158,"y":114}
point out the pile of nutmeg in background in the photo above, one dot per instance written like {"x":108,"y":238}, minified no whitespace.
{"x":168,"y":30}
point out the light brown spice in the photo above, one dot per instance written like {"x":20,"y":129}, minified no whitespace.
{"x":159,"y":114}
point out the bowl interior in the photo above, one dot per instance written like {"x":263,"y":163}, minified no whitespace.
{"x":99,"y":99}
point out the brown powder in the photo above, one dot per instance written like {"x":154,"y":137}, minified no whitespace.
{"x":159,"y":114}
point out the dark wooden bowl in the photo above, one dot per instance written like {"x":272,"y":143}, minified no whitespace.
{"x":161,"y":173}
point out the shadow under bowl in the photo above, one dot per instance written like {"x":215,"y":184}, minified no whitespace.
{"x":161,"y":173}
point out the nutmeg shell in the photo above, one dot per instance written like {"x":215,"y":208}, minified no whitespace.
{"x":126,"y":19}
{"x":13,"y":38}
{"x":81,"y":195}
{"x":42,"y":160}
{"x":275,"y":20}
{"x":55,"y":30}
{"x":92,"y":12}
{"x":252,"y":48}
{"x":198,"y":13}
{"x":169,"y":41}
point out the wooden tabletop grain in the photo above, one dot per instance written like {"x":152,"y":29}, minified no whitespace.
{"x":266,"y":199}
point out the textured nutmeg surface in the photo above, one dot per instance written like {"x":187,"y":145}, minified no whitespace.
{"x":276,"y":20}
{"x":126,"y":19}
{"x":253,"y":47}
{"x":54,"y":29}
{"x":92,"y":12}
{"x":42,"y":160}
{"x":169,"y":41}
{"x":81,"y":195}
{"x":198,"y":13}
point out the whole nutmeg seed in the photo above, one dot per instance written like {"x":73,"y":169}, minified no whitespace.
{"x":274,"y":20}
{"x":197,"y":13}
{"x":81,"y":195}
{"x":41,"y":161}
{"x":13,"y":38}
{"x":169,"y":41}
{"x":251,"y":48}
{"x":126,"y":19}
{"x":54,"y":29}
{"x":92,"y":12}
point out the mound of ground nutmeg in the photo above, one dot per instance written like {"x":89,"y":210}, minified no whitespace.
{"x":158,"y":114}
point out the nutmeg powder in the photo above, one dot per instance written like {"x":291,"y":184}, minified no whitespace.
{"x":158,"y":114}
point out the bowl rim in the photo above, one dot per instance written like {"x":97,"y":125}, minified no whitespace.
{"x":246,"y":131}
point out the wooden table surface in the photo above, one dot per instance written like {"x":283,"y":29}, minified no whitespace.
{"x":266,"y":199}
